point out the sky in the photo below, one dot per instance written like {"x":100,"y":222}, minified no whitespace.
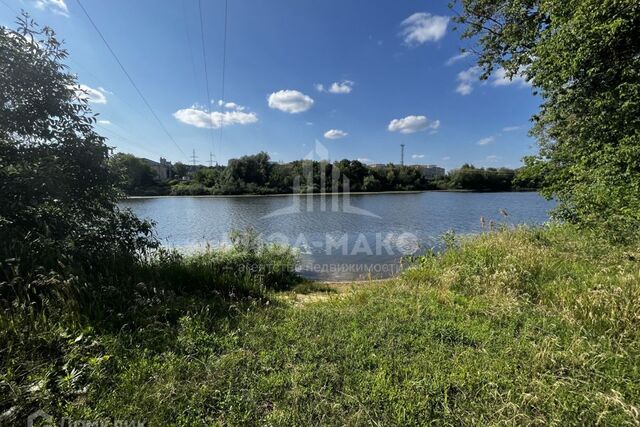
{"x":360,"y":77}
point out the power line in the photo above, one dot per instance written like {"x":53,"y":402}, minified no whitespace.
{"x":124,"y":70}
{"x":206,"y":73}
{"x":9,"y":7}
{"x":224,"y":61}
{"x":211,"y":161}
{"x":119,"y":136}
{"x":189,"y":43}
{"x":78,"y":65}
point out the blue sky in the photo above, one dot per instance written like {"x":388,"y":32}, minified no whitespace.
{"x":390,"y":72}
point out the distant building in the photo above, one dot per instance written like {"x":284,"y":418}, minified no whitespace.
{"x":430,"y":171}
{"x":162,"y":169}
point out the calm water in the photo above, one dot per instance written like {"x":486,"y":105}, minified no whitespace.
{"x":342,"y":237}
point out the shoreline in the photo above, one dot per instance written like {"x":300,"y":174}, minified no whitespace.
{"x":349,"y":193}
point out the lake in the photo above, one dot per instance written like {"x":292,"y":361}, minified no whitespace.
{"x":339,"y":237}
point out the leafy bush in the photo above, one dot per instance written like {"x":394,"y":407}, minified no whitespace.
{"x":58,"y":198}
{"x":189,"y":190}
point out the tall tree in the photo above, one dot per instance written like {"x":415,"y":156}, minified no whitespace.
{"x":58,"y":197}
{"x":583,"y":57}
{"x":136,"y":175}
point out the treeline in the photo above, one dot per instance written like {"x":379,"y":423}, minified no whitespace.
{"x":468,"y":177}
{"x":257,"y":174}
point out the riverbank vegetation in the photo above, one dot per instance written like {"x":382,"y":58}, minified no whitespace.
{"x":257,"y":174}
{"x":527,"y":326}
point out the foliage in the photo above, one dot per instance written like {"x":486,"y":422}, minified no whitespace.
{"x":208,"y":177}
{"x":469,"y":177}
{"x":187,"y":189}
{"x":57,"y":195}
{"x":527,"y":326}
{"x":137,"y":177}
{"x":258,"y":175}
{"x":54,"y":352}
{"x":584,"y":59}
{"x":180,"y":170}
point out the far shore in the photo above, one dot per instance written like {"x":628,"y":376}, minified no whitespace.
{"x":326,"y":194}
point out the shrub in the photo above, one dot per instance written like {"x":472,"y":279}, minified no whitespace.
{"x":58,"y":197}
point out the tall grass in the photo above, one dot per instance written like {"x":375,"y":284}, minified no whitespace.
{"x":58,"y":329}
{"x":527,"y":326}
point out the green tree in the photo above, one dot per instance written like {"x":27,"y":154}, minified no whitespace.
{"x":281,"y":178}
{"x":209,"y":177}
{"x":354,"y":171}
{"x":371,"y":183}
{"x":254,"y":170}
{"x":58,"y":197}
{"x":136,"y":175}
{"x":583,"y":57}
{"x":180,"y":170}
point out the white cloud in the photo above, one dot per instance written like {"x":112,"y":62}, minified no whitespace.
{"x":309,"y":123}
{"x":486,"y":141}
{"x":290,"y":101}
{"x":56,"y":6}
{"x":94,"y":96}
{"x":500,"y":78}
{"x":467,"y":79}
{"x":423,"y":27}
{"x":226,"y":104}
{"x":104,"y":122}
{"x":198,"y":117}
{"x":339,"y":88}
{"x":510,"y":128}
{"x":445,"y":158}
{"x":335,"y":134}
{"x":412,"y":124}
{"x":456,"y":58}
{"x":346,"y":86}
{"x":464,"y":88}
{"x":233,"y":106}
{"x":364,"y":160}
{"x":493,"y":158}
{"x":417,"y":156}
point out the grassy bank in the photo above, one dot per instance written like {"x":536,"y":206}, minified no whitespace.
{"x":513,"y":327}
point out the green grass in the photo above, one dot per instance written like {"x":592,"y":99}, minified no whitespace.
{"x":517,"y":327}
